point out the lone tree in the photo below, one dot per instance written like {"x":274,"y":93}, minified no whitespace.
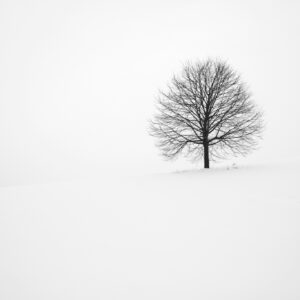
{"x":206,"y":112}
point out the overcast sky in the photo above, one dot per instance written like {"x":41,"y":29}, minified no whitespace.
{"x":79,"y":78}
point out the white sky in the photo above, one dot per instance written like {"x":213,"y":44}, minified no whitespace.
{"x":78,"y":79}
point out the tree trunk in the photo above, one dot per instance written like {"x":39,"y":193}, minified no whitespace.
{"x":206,"y":156}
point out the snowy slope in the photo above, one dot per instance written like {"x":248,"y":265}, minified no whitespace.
{"x":208,"y":234}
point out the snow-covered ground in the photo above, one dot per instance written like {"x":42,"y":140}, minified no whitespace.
{"x":223,"y":233}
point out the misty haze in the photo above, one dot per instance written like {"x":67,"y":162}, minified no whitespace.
{"x":90,"y":209}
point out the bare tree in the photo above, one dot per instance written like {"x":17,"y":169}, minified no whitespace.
{"x":206,"y":112}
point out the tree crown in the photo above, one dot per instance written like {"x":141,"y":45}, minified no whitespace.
{"x":206,"y":106}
